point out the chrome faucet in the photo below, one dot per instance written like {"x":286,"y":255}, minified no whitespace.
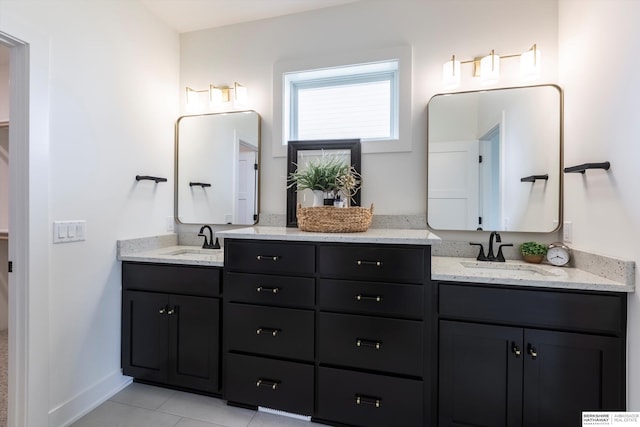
{"x":208,"y":243}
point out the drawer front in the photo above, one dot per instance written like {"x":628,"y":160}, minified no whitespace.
{"x":369,"y":400}
{"x":271,"y":383}
{"x":379,"y":344}
{"x":370,"y":262}
{"x":270,"y":257}
{"x":282,"y":332}
{"x":370,"y":297}
{"x":533,"y":308}
{"x":177,"y":279}
{"x":270,"y":290}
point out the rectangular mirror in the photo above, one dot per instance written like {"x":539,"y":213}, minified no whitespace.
{"x":217,"y":157}
{"x":495,"y":160}
{"x":301,"y":152}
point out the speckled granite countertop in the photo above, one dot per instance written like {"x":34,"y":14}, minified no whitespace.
{"x":188,"y":255}
{"x":373,"y":235}
{"x":521,"y":273}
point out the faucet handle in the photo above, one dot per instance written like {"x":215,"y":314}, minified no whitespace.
{"x":481,"y":256}
{"x":500,"y":256}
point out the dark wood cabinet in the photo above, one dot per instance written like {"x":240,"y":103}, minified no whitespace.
{"x":533,"y":368}
{"x":269,"y":325}
{"x":340,"y":332}
{"x":171,"y":338}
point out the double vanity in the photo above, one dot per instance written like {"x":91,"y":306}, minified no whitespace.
{"x":371,"y":329}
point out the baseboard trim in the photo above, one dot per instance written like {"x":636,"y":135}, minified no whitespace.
{"x":88,"y":399}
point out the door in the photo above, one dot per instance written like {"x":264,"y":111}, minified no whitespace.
{"x":194,"y":342}
{"x":567,"y":373}
{"x":246,"y":191}
{"x":480,"y":375}
{"x":453,"y":185}
{"x":145,"y":335}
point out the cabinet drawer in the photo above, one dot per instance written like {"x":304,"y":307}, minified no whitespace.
{"x":537,"y":308}
{"x":369,"y":400}
{"x":269,"y":257}
{"x":182,"y":279}
{"x":381,"y":263}
{"x":271,"y":331}
{"x":370,"y":297}
{"x":270,"y":290}
{"x":388,"y":345}
{"x":272,"y":383}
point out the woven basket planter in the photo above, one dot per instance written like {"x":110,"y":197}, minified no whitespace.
{"x":329,"y":219}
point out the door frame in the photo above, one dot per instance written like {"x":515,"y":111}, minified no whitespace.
{"x":29,"y":235}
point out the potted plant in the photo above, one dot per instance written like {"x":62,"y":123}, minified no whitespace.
{"x":533,"y":252}
{"x":327,"y":177}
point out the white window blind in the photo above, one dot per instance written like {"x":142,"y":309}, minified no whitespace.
{"x":358,"y":101}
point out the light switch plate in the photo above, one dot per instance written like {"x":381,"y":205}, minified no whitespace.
{"x":567,"y":231}
{"x":69,"y":231}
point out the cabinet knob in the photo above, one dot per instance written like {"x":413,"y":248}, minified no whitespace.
{"x":532,"y":351}
{"x":267,"y":289}
{"x":268,"y":331}
{"x":273,"y":385}
{"x":163,"y":310}
{"x":368,"y":400}
{"x":361,"y":297}
{"x":515,"y":349}
{"x":365,"y":262}
{"x":171,"y":311}
{"x":370,"y":344}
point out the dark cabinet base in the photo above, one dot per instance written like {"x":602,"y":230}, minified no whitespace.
{"x":369,"y":400}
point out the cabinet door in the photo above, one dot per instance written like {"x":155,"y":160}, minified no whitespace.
{"x":480,"y":381}
{"x":145,"y":335}
{"x":194,"y":342}
{"x":567,"y":373}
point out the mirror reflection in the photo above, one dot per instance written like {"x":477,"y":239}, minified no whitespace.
{"x":495,"y":160}
{"x":216,"y":168}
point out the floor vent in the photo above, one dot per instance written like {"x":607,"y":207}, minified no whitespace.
{"x":284,"y":413}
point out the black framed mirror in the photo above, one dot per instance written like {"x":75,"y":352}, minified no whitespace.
{"x":298,"y":152}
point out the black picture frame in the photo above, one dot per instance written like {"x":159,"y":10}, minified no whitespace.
{"x":353,"y":145}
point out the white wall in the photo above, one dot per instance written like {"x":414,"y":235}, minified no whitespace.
{"x":601,"y":108}
{"x":113,"y":78}
{"x":394,"y":182}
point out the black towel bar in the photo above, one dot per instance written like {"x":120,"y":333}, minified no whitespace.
{"x":150,"y":178}
{"x":585,"y":166}
{"x":199,"y":184}
{"x":533,"y":178}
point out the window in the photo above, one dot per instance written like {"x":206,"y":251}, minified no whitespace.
{"x":362,"y":93}
{"x":356,"y":101}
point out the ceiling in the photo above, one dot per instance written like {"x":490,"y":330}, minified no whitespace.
{"x":192,"y":15}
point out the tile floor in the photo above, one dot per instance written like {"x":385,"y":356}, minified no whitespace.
{"x":141,"y":405}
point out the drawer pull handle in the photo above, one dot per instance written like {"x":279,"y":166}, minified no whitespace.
{"x":515,"y":349}
{"x":273,"y":385}
{"x":361,"y":297}
{"x":266,"y":289}
{"x":271,"y":331}
{"x":532,"y":351}
{"x":375,"y":263}
{"x":370,"y":344}
{"x":267,"y":258}
{"x":368,"y":400}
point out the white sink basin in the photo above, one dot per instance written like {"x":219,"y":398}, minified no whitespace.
{"x":508,"y":267}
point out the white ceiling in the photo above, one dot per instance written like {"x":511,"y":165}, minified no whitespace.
{"x":192,"y":15}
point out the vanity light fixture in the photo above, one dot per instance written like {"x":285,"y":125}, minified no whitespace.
{"x":219,"y":94}
{"x":488,"y":67}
